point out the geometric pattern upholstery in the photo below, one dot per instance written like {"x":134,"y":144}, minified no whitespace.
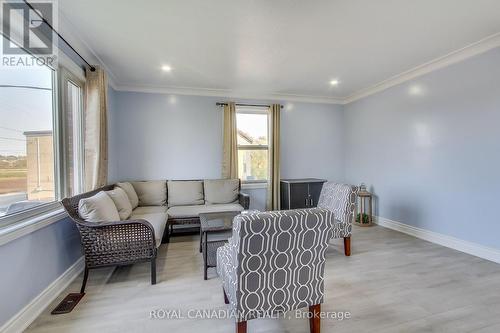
{"x":341,"y":200}
{"x":274,"y":261}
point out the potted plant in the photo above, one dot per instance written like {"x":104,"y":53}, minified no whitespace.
{"x":363,"y":218}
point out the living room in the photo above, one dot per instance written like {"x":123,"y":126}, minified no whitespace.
{"x":249,"y":166}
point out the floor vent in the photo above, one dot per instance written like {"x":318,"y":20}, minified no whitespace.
{"x":68,"y":303}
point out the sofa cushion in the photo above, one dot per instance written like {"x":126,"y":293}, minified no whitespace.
{"x":132,"y":195}
{"x":150,"y":209}
{"x":151,"y":193}
{"x":158,"y":222}
{"x":98,"y":208}
{"x":195,"y":210}
{"x":121,"y":201}
{"x":185,"y":192}
{"x":221,"y":191}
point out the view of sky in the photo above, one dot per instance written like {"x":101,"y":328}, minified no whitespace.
{"x":254,"y":125}
{"x":22,"y":108}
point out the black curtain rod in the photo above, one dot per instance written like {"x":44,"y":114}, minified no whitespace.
{"x":254,"y":105}
{"x":92,"y":68}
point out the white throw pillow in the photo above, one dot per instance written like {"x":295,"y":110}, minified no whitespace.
{"x":121,"y":201}
{"x":98,"y":208}
{"x":221,"y":191}
{"x":132,"y":195}
{"x":151,"y":192}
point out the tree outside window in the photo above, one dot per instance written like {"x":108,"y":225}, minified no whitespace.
{"x":253,"y":144}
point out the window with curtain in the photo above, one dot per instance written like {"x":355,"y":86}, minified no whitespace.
{"x":252,"y":125}
{"x":40,"y":140}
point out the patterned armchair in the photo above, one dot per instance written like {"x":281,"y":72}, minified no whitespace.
{"x":274,"y":262}
{"x":341,"y":200}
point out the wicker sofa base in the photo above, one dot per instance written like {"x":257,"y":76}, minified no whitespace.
{"x":169,"y":230}
{"x":243,"y":200}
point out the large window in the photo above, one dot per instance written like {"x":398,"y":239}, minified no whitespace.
{"x":27,"y":167}
{"x":253,"y":144}
{"x":41,"y":145}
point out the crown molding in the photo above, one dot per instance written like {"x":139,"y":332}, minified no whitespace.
{"x":451,"y":58}
{"x":227,"y":93}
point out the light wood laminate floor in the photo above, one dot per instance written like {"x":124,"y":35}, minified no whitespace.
{"x":391,"y":283}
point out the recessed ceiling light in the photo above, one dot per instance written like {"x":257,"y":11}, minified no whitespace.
{"x":416,"y":90}
{"x":166,"y":68}
{"x":334,"y":82}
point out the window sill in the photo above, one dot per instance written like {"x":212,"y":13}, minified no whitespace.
{"x":23,"y":228}
{"x":252,"y":186}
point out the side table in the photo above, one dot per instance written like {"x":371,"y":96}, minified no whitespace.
{"x":215,"y":230}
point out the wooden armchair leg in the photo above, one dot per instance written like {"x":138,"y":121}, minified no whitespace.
{"x":241,"y":327}
{"x":226,"y":300}
{"x":153,"y":271}
{"x":84,"y":282}
{"x":314,"y":319}
{"x":347,"y":246}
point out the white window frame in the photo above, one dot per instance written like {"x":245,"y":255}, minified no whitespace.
{"x":250,"y":184}
{"x":66,"y":76}
{"x":24,"y":222}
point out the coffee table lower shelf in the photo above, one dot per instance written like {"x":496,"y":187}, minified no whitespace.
{"x":210,"y":255}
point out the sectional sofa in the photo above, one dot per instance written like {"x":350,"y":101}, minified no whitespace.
{"x":187,"y":199}
{"x":126,"y":222}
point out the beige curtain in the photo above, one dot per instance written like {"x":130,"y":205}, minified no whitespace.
{"x":273,"y":192}
{"x":96,"y":132}
{"x":230,"y":149}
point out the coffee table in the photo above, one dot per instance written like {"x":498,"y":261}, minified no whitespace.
{"x":215,"y":230}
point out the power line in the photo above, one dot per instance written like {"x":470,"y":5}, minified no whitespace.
{"x":11,"y":129}
{"x":12,"y":139}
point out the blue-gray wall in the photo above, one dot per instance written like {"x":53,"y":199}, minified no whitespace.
{"x":430,"y":150}
{"x":156,"y":136}
{"x":31,"y":263}
{"x":312,"y":141}
{"x":162,"y":136}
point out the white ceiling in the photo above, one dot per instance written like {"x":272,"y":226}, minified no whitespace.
{"x":281,"y":47}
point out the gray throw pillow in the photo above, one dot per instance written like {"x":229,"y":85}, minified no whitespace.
{"x":121,"y":201}
{"x":185,"y":192}
{"x":132,"y":195}
{"x":151,"y":192}
{"x":98,"y":208}
{"x":221,"y":191}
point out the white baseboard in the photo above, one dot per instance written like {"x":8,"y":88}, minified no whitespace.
{"x":444,"y":240}
{"x":20,"y":321}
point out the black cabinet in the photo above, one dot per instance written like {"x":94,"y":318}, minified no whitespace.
{"x":300,"y":193}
